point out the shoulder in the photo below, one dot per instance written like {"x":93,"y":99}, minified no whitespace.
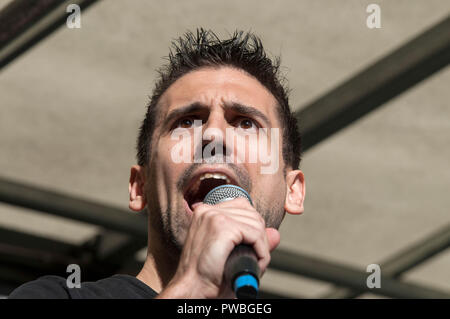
{"x":52,"y":287}
{"x":117,"y":287}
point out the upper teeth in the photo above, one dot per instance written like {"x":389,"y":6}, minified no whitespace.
{"x":214,"y":175}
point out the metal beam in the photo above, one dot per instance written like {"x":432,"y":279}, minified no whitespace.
{"x":29,"y":241}
{"x":25,"y":257}
{"x":59,"y":204}
{"x":303,"y":265}
{"x":135,"y":226}
{"x":265,"y":294}
{"x":105,"y":252}
{"x":122,"y":221}
{"x":23,"y":23}
{"x":17,"y":247}
{"x":108,"y":251}
{"x":47,"y":255}
{"x":403,"y":261}
{"x":369,"y":89}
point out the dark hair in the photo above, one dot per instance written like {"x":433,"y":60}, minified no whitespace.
{"x":243,"y":51}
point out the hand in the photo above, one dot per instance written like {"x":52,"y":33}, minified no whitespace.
{"x":214,"y":232}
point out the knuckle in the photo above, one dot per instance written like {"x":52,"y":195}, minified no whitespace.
{"x":262,"y":220}
{"x":206,"y":215}
{"x":218,"y":220}
{"x":200,"y":209}
{"x":242,"y":201}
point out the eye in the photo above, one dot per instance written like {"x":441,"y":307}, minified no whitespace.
{"x":187,"y":122}
{"x":247,"y":124}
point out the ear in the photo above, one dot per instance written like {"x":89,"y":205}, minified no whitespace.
{"x":295,"y":193}
{"x":136,"y":188}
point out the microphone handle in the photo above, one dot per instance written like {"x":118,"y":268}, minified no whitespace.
{"x":242,"y":270}
{"x":241,"y":267}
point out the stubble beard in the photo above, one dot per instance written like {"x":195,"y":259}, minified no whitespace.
{"x":174,"y":233}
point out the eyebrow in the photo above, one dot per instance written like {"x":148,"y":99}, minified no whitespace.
{"x":234,"y":106}
{"x":191,"y":108}
{"x":248,"y":110}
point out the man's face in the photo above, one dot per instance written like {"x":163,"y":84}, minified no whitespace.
{"x":218,"y":99}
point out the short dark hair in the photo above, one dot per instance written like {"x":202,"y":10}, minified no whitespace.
{"x":242,"y":51}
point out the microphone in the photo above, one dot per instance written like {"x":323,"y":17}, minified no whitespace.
{"x":241,"y":268}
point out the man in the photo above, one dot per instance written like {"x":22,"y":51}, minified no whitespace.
{"x":214,"y":105}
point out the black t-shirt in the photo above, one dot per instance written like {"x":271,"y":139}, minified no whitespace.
{"x":114,"y":287}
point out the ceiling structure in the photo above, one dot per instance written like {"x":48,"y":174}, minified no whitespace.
{"x":372,"y":104}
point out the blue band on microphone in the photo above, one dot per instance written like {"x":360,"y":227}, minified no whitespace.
{"x":245,"y":280}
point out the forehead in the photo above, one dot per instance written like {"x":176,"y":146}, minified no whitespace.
{"x":217,"y":86}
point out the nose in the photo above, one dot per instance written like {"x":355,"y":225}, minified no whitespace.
{"x":214,"y":134}
{"x":216,"y":123}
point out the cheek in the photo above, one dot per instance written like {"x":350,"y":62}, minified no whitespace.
{"x":268,"y":151}
{"x":162,"y":176}
{"x":272,"y":188}
{"x":270,"y":194}
{"x":170,"y":168}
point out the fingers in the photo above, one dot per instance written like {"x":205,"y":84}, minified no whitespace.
{"x":246,"y":224}
{"x":214,"y":231}
{"x":238,"y":206}
{"x":236,"y":202}
{"x":273,"y":237}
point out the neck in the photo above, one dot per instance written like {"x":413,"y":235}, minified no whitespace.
{"x":160,"y":264}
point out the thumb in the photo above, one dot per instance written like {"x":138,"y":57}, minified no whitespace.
{"x":273,"y":236}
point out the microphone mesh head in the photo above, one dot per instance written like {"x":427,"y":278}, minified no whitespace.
{"x":225,"y":192}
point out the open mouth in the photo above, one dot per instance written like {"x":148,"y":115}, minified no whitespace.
{"x":202,"y":184}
